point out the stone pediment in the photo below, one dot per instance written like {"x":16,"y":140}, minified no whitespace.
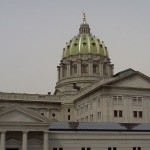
{"x":136,"y":80}
{"x":133,"y":79}
{"x":17,"y":113}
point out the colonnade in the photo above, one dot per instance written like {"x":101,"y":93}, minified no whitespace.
{"x":24,"y":140}
{"x":101,"y":70}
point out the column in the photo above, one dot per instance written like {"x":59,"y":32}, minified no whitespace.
{"x":3,"y":136}
{"x":68,"y":69}
{"x":101,"y":69}
{"x":24,"y":140}
{"x":58,"y":71}
{"x":61,"y":71}
{"x":90,"y":67}
{"x":45,"y":141}
{"x":108,"y":70}
{"x":79,"y":67}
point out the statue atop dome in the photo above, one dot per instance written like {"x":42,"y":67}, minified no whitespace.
{"x":84,"y":27}
{"x":84,"y":17}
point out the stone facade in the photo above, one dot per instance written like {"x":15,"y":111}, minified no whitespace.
{"x":87,"y":91}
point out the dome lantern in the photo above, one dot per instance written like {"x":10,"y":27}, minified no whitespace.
{"x":84,"y":27}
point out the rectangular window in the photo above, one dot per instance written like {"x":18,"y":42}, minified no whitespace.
{"x":115,"y":113}
{"x":112,"y":148}
{"x":54,"y":148}
{"x":117,"y":100}
{"x":60,"y":148}
{"x":140,"y":114}
{"x":136,"y":148}
{"x":68,"y":110}
{"x":137,"y":101}
{"x":120,"y":113}
{"x":68,"y":117}
{"x":83,"y":148}
{"x":135,"y":114}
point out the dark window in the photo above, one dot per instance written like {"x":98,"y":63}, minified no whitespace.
{"x":68,"y":110}
{"x":84,"y":68}
{"x":53,"y":114}
{"x":139,"y":148}
{"x":88,"y":148}
{"x":120,"y":113}
{"x":135,"y":114}
{"x":75,"y":68}
{"x":109,"y":148}
{"x":68,"y":117}
{"x":54,"y":148}
{"x":94,"y":68}
{"x":60,"y":148}
{"x":134,"y":148}
{"x":82,"y":148}
{"x":115,"y":113}
{"x":140,"y":114}
{"x":114,"y":148}
{"x":12,"y":149}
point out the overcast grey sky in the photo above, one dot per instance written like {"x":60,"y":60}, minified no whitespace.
{"x":34,"y":32}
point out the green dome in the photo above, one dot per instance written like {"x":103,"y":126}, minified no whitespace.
{"x":85,"y":44}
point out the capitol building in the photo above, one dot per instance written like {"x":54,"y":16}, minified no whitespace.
{"x":91,"y":109}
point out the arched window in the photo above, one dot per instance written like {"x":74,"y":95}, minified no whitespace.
{"x":84,"y":68}
{"x":94,"y":68}
{"x":75,"y":68}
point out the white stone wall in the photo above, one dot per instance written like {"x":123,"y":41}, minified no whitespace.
{"x":103,"y":104}
{"x":98,"y":140}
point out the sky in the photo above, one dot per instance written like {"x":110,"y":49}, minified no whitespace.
{"x":33,"y":34}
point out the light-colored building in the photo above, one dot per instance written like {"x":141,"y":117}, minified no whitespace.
{"x":92,"y":108}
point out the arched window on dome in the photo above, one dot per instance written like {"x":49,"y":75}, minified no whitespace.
{"x":75,"y":68}
{"x":95,"y":68}
{"x":84,"y":44}
{"x":84,"y":68}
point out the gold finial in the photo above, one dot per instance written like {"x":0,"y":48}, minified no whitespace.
{"x":84,"y":17}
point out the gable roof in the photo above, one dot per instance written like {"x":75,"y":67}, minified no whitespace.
{"x":28,"y":112}
{"x":124,"y":73}
{"x":108,"y":81}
